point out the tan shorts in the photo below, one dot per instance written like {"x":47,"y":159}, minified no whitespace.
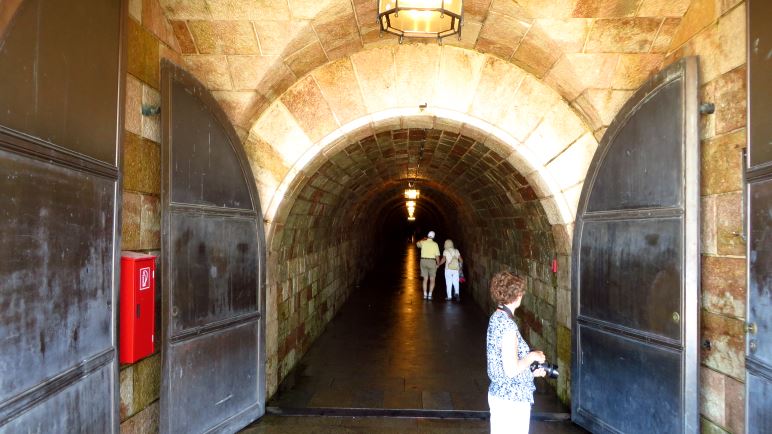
{"x":428,"y":267}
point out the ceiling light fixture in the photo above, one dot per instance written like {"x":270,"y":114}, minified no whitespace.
{"x":421,"y":18}
{"x":410,"y":208}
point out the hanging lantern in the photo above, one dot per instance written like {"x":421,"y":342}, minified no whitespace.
{"x":412,"y":194}
{"x":421,"y":18}
{"x":410,"y":208}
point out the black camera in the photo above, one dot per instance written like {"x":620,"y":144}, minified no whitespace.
{"x":549,"y":368}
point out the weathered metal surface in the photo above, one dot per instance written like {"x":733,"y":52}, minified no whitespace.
{"x":225,"y":363}
{"x":60,"y":112}
{"x":60,"y":74}
{"x":632,"y":263}
{"x":212,"y":262}
{"x":639,"y":393}
{"x":57,"y":269}
{"x":201,"y":172}
{"x":758,"y":348}
{"x":635,"y":273}
{"x":622,"y":181}
{"x":760,"y":271}
{"x":759,"y":416}
{"x":759,"y":84}
{"x":75,"y":409}
{"x":213,"y":250}
{"x":758,"y":176}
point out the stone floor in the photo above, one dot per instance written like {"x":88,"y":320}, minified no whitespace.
{"x":388,"y":348}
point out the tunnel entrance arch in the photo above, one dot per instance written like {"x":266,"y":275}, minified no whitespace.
{"x":636,"y":263}
{"x":213,"y":252}
{"x":509,"y":111}
{"x":349,"y":178}
{"x":555,"y":184}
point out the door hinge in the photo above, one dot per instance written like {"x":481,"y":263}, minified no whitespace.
{"x":707,"y":108}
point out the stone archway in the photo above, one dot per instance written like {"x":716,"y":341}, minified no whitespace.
{"x":592,"y":53}
{"x":542,"y":135}
{"x":511,"y":112}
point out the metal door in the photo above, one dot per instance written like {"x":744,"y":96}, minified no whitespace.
{"x":60,"y":109}
{"x":60,"y":127}
{"x":636,"y":263}
{"x":213,"y":252}
{"x":758,"y":351}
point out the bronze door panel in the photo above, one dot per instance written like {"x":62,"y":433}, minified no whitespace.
{"x":635,"y":268}
{"x":213,"y":252}
{"x":61,"y":114}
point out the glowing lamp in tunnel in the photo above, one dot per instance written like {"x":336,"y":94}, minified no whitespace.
{"x":412,"y":194}
{"x":421,"y":18}
{"x":410,"y":208}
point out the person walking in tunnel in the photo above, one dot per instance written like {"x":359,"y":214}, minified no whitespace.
{"x":430,"y":256}
{"x":451,"y":257}
{"x":510,"y":394}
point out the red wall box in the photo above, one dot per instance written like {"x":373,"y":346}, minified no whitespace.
{"x":137,"y":306}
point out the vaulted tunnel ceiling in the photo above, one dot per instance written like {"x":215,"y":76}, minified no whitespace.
{"x":462,"y":182}
{"x":250,"y":51}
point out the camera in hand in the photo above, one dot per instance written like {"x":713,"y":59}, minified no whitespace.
{"x":549,"y":368}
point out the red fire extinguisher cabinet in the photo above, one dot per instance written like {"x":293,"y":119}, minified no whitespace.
{"x":137,"y":306}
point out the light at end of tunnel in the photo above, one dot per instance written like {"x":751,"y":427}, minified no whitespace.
{"x":412,"y":193}
{"x":411,"y":219}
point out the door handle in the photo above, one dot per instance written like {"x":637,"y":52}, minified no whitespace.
{"x":751,"y":328}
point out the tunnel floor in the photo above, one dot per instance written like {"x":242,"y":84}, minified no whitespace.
{"x":392,"y":360}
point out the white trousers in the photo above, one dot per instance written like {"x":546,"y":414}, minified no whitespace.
{"x":509,"y":417}
{"x":451,"y":280}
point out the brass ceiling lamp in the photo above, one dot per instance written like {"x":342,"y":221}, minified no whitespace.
{"x":412,"y":193}
{"x":421,"y":18}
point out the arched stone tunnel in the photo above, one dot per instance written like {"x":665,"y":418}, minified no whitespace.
{"x":352,"y":206}
{"x":497,"y":129}
{"x":329,"y":152}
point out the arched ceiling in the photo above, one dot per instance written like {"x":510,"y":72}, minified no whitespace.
{"x":593,"y":52}
{"x":357,"y":184}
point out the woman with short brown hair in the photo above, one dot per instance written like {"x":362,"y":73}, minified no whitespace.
{"x":510,"y":394}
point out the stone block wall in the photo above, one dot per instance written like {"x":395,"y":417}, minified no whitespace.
{"x":520,"y":240}
{"x":315,"y":260}
{"x":307,"y":289}
{"x":150,"y":38}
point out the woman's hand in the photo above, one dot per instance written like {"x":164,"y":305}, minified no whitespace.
{"x":539,"y":373}
{"x":536,"y":356}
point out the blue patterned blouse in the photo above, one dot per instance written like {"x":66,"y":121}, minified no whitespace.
{"x":520,"y":387}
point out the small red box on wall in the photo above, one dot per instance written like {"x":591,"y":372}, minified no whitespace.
{"x":137,"y":306}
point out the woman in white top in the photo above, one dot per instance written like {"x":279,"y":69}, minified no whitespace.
{"x":452,"y":259}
